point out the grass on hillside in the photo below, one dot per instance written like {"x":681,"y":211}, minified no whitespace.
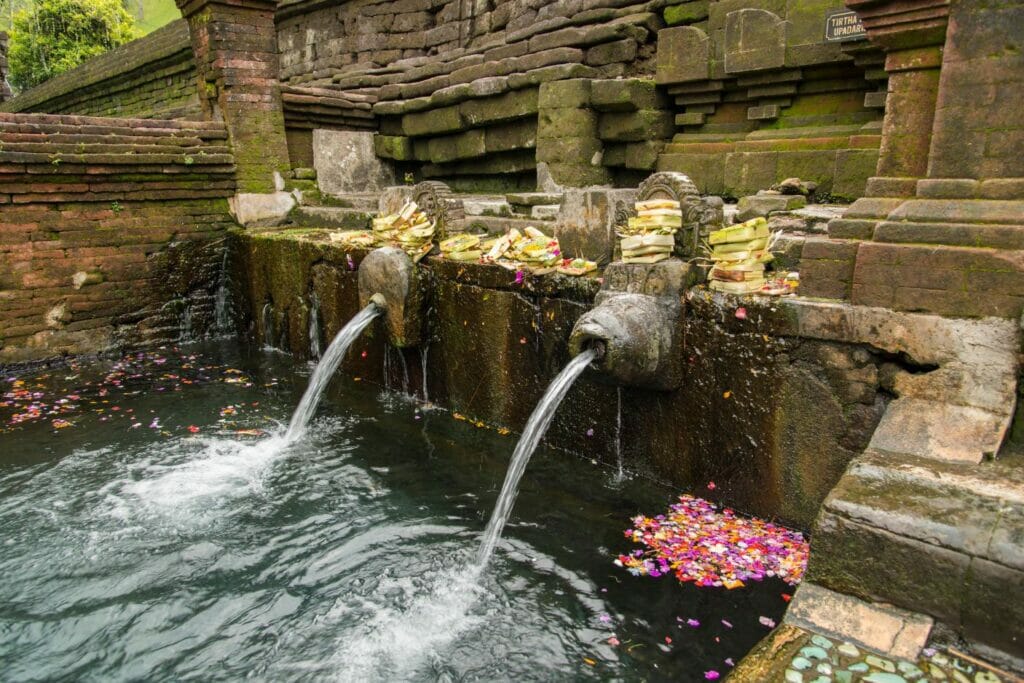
{"x":152,"y":14}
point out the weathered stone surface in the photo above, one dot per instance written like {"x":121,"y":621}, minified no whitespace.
{"x":250,"y":208}
{"x":687,"y":12}
{"x":572,"y":150}
{"x":565,"y":175}
{"x":684,"y":55}
{"x":567,"y":94}
{"x":764,"y":204}
{"x":345,"y":161}
{"x":533,"y":198}
{"x":446,"y":120}
{"x":642,"y":156}
{"x":940,"y":430}
{"x":566,"y":123}
{"x":511,"y":136}
{"x":626,"y":95}
{"x":587,"y":219}
{"x":466,"y":145}
{"x":623,"y":51}
{"x":390,"y":273}
{"x":507,"y":107}
{"x":646,"y":124}
{"x":394,"y":147}
{"x":852,"y":169}
{"x":886,"y":629}
{"x":755,"y":39}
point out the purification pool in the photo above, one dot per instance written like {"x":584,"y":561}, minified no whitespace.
{"x":155,"y":525}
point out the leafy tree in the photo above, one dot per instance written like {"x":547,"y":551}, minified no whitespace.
{"x":49,"y":37}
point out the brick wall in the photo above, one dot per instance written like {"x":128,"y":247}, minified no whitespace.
{"x":110,"y":231}
{"x":152,"y":77}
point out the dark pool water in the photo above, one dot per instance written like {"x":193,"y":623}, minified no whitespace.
{"x":168,"y":540}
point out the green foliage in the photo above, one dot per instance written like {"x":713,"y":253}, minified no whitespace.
{"x":152,"y":14}
{"x":49,"y":37}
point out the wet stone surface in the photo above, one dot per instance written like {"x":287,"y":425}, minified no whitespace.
{"x":817,"y":659}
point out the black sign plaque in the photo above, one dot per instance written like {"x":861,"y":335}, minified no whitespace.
{"x":843,"y":25}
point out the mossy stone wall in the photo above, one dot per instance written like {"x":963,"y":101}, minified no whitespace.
{"x":771,"y":421}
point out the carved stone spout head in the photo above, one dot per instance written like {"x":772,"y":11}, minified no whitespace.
{"x":637,"y":335}
{"x":636,"y":323}
{"x":389,"y":278}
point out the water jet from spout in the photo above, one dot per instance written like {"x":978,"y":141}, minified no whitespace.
{"x":326,"y":368}
{"x":536,"y":426}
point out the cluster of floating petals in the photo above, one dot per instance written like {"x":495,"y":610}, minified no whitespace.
{"x":702,"y":544}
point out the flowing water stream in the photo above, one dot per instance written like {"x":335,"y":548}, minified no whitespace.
{"x":170,"y":531}
{"x":534,"y":431}
{"x":325,"y":370}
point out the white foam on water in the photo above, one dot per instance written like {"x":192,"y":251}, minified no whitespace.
{"x":408,"y":626}
{"x":201,"y":473}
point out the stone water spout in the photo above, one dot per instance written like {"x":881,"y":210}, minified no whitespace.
{"x":639,"y":313}
{"x":636,"y":325}
{"x":389,"y":278}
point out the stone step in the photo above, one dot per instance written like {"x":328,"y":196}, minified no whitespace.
{"x":545,"y":212}
{"x":365,"y":201}
{"x":495,"y":225}
{"x":530,"y":199}
{"x":332,"y":217}
{"x":945,"y":539}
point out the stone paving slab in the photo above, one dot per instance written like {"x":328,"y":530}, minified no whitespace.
{"x":791,"y":654}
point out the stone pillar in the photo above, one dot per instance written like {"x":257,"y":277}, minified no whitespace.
{"x":569,"y":148}
{"x":912,"y":33}
{"x":910,"y":110}
{"x":235,"y":46}
{"x":979,"y":125}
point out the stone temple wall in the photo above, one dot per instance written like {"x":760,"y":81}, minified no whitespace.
{"x":739,"y":94}
{"x":152,"y":77}
{"x":772,"y":418}
{"x":110,"y":231}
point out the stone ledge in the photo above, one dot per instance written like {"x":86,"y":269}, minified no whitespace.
{"x":881,"y":628}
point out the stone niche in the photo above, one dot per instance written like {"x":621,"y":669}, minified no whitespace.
{"x":345,"y":163}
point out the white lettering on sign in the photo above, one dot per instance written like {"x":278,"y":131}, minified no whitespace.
{"x":842,"y":25}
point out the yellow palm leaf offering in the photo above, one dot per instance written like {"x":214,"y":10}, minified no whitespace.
{"x":576,"y":267}
{"x":740,"y":253}
{"x":410,"y":230}
{"x":649,"y":237}
{"x":354,"y":238}
{"x":462,"y":247}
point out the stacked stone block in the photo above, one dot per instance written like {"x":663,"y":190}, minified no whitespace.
{"x":366,"y":44}
{"x":102,"y":223}
{"x":759,"y":97}
{"x":568,"y":142}
{"x":457,"y":100}
{"x":635,"y":124}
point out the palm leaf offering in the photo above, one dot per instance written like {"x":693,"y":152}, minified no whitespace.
{"x":649,"y":237}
